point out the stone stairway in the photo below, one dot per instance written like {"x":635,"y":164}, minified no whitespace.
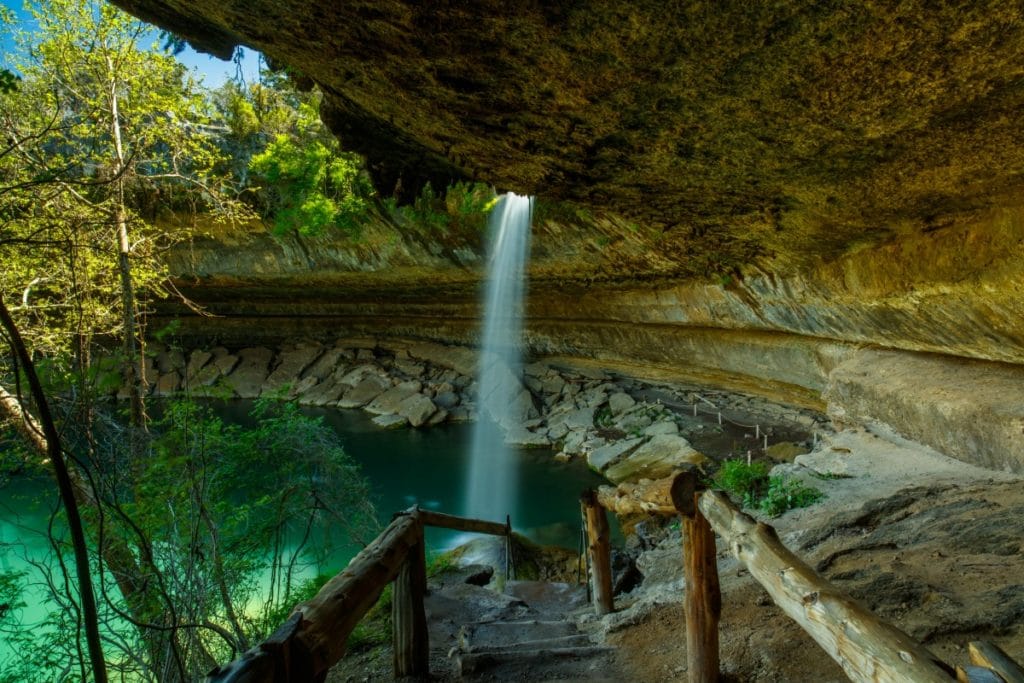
{"x":537,"y":641}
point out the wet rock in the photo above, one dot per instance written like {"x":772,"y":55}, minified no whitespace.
{"x":410,"y":368}
{"x":369,"y":388}
{"x":390,"y":421}
{"x":552,"y":385}
{"x":417,"y":409}
{"x":197,"y":360}
{"x":303,"y":386}
{"x":558,"y":431}
{"x":446,"y":399}
{"x":521,"y":436}
{"x":655,"y":459}
{"x":601,"y":458}
{"x":290,"y":365}
{"x":390,"y":401}
{"x":438,"y":417}
{"x":247,"y":379}
{"x":224,"y":361}
{"x":664,"y":427}
{"x":167,"y":385}
{"x":581,"y":418}
{"x":170,"y":361}
{"x":620,"y":403}
{"x":324,"y":366}
{"x":460,"y":414}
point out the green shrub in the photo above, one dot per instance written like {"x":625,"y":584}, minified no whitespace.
{"x":771,"y":495}
{"x":747,"y":481}
{"x":783,"y":494}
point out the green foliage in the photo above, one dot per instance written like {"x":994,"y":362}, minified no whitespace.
{"x":748,"y":482}
{"x":315,"y":186}
{"x":783,"y":494}
{"x":464,"y":207}
{"x":771,"y":495}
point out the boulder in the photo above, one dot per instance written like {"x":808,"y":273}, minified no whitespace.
{"x":225,"y":362}
{"x":552,"y":385}
{"x":170,"y":361}
{"x":390,"y":421}
{"x":327,"y":363}
{"x":247,"y":379}
{"x":521,"y":436}
{"x":410,"y":368}
{"x":167,"y":385}
{"x":620,"y":403}
{"x":592,"y":398}
{"x":369,"y":388}
{"x":558,"y":431}
{"x":417,"y":409}
{"x":447,"y":399}
{"x":364,"y":355}
{"x":291,"y":363}
{"x":607,"y":455}
{"x":655,"y":459}
{"x":437,"y":418}
{"x":324,"y":393}
{"x":581,"y":418}
{"x":388,"y":403}
{"x":303,"y":386}
{"x":668,"y":426}
{"x":197,"y":360}
{"x":358,"y":374}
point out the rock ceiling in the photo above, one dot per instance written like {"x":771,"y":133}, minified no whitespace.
{"x":784,"y":127}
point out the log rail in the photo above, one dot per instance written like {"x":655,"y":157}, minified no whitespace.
{"x":867,"y":648}
{"x":314,"y":637}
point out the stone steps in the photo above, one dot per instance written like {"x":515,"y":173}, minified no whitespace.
{"x":547,"y":646}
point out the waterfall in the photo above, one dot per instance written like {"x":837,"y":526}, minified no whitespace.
{"x":491,"y":483}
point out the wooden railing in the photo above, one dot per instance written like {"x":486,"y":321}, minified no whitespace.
{"x":314,"y":637}
{"x":867,"y":648}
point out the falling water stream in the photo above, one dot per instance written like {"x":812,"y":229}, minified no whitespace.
{"x":491,"y":483}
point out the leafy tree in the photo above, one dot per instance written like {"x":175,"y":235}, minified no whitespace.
{"x":311,"y":185}
{"x":107,"y":138}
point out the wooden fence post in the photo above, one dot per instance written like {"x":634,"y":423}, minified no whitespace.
{"x":408,"y":618}
{"x":599,"y":546}
{"x":703,"y":599}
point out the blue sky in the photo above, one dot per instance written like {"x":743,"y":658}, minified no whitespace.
{"x":213,"y":71}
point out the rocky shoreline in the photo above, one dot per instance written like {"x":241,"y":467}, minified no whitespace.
{"x":625,"y":429}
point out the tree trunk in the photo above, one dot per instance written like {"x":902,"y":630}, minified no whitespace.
{"x":50,"y":437}
{"x":134,"y":375}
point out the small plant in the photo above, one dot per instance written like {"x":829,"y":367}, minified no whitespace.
{"x":783,"y":494}
{"x":747,"y":481}
{"x":603,"y":417}
{"x":758,"y":490}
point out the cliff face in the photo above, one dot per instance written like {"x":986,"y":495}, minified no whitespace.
{"x":924,"y":334}
{"x":813,"y":201}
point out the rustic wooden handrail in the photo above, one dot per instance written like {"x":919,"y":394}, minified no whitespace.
{"x":314,"y":637}
{"x":867,"y":648}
